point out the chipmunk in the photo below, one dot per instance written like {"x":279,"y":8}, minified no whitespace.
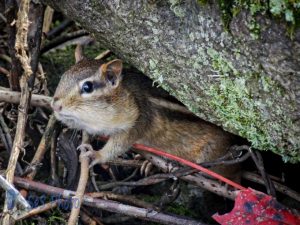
{"x":97,"y":97}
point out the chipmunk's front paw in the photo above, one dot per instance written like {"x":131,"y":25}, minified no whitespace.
{"x":88,"y":151}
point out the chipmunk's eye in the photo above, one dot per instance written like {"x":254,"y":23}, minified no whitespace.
{"x":87,"y":87}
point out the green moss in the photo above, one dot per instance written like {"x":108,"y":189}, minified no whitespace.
{"x":287,"y":10}
{"x":233,"y":100}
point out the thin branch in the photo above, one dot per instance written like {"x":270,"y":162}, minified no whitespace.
{"x":3,"y":17}
{"x":7,"y":141}
{"x":4,"y":71}
{"x":154,"y":179}
{"x":123,"y":198}
{"x":126,"y":163}
{"x":53,"y":147}
{"x":16,"y":69}
{"x":115,"y":219}
{"x":48,"y":16}
{"x":39,"y":209}
{"x":278,"y":186}
{"x":87,"y":219}
{"x":14,"y":97}
{"x":34,"y":38}
{"x":84,"y":175}
{"x":256,"y":156}
{"x":14,"y":193}
{"x":104,"y":54}
{"x":43,"y":146}
{"x":59,"y":29}
{"x":21,"y":44}
{"x":235,"y":153}
{"x":21,"y":49}
{"x":108,"y":205}
{"x":6,"y":58}
{"x":62,"y":39}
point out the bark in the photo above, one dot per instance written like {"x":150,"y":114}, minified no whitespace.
{"x":246,"y":83}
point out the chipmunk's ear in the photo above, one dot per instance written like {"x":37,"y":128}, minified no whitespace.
{"x":111,"y":72}
{"x":79,"y":53}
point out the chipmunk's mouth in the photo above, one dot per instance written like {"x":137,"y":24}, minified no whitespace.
{"x":71,"y":120}
{"x":67,"y":119}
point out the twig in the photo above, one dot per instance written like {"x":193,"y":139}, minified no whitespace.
{"x":14,"y":193}
{"x":256,"y":156}
{"x":48,"y":16}
{"x":21,"y":44}
{"x":14,"y":97}
{"x":122,"y":198}
{"x":123,"y":182}
{"x":126,"y":163}
{"x":3,"y":17}
{"x":54,"y":176}
{"x":141,"y":213}
{"x":34,"y":38}
{"x":116,"y":219}
{"x":16,"y":69}
{"x":6,"y":58}
{"x":96,"y":219}
{"x":21,"y":47}
{"x":43,"y":146}
{"x":87,"y":219}
{"x":224,"y":160}
{"x":4,"y":71}
{"x":59,"y":29}
{"x":84,"y":175}
{"x":279,"y":187}
{"x":62,"y":39}
{"x":7,"y":141}
{"x":154,"y":179}
{"x":86,"y":140}
{"x":104,"y":54}
{"x":108,"y":205}
{"x":5,"y":136}
{"x":169,"y":196}
{"x":132,"y":175}
{"x":39,"y":209}
{"x":41,"y":150}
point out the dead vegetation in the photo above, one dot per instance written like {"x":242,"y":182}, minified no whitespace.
{"x":38,"y":156}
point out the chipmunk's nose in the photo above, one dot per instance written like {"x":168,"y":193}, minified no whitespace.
{"x":56,"y":104}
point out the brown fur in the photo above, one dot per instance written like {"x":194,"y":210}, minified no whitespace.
{"x":133,"y":111}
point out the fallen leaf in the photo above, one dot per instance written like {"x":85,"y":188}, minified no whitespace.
{"x":254,"y":207}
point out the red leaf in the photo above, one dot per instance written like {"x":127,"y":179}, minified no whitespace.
{"x":253,"y":207}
